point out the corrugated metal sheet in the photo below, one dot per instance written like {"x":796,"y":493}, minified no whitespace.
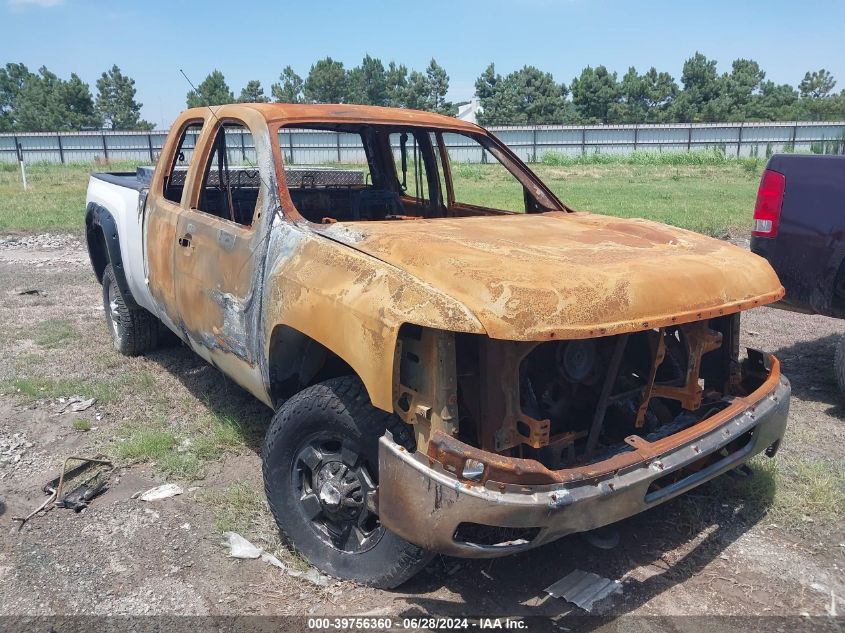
{"x":584,"y":588}
{"x":530,"y":143}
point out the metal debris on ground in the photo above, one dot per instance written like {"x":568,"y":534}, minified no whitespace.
{"x":584,"y":588}
{"x":82,"y":405}
{"x":75,"y":404}
{"x":91,"y":478}
{"x":239,"y":547}
{"x":158,"y":493}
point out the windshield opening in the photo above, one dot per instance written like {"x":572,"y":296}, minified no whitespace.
{"x":354,"y":173}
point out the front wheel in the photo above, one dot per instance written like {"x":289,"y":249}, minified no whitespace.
{"x":321,"y":475}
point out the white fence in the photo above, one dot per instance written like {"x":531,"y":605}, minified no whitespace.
{"x":531,"y":143}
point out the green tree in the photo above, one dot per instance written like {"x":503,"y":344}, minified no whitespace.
{"x":541,"y":99}
{"x":818,"y":103}
{"x":499,"y":98}
{"x":38,"y":106}
{"x":326,"y":82}
{"x":212,"y":91}
{"x":12,"y":79}
{"x":438,"y":83}
{"x":367,"y":83}
{"x":47,"y":103}
{"x":645,"y":98}
{"x":418,"y":92}
{"x":79,"y":105}
{"x":396,"y":85}
{"x":525,"y":96}
{"x":817,"y":84}
{"x":289,"y":90}
{"x":697,"y":101}
{"x":485,"y":85}
{"x":253,"y":93}
{"x":739,"y":88}
{"x":774,"y":103}
{"x":116,"y":102}
{"x":594,"y":92}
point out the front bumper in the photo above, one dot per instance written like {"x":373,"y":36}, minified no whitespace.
{"x":425,"y":504}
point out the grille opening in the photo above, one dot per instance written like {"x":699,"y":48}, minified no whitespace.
{"x":676,"y":476}
{"x":494,"y":536}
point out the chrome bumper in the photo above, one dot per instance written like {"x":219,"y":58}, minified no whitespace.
{"x":425,"y":504}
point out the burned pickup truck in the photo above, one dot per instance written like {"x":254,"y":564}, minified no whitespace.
{"x":457,"y":361}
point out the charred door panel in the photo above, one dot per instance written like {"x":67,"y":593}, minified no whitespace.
{"x":214,"y":275}
{"x":217,"y":260}
{"x":166,"y":199}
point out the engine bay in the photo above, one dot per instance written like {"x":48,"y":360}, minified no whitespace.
{"x":568,"y":403}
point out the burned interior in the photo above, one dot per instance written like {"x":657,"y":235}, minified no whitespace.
{"x":563,"y":404}
{"x":390,"y":172}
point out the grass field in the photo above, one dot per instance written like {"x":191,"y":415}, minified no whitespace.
{"x":705,"y":192}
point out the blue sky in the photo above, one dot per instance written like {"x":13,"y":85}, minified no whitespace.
{"x":151,"y":40}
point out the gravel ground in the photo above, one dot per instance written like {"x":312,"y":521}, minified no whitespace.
{"x":703,"y":555}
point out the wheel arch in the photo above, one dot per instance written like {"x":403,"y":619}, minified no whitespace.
{"x":295,"y":361}
{"x":103,"y":243}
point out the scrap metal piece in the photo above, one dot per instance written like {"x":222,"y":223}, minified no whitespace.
{"x":165,"y":491}
{"x":79,"y":498}
{"x":584,"y":588}
{"x":55,"y":486}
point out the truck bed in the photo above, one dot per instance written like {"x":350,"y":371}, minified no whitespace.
{"x":137,"y":180}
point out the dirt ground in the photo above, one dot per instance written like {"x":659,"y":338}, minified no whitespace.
{"x":727,"y":548}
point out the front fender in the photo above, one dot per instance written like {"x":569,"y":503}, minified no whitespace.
{"x":351,"y":303}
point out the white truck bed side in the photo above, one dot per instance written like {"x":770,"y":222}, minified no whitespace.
{"x":122,"y":203}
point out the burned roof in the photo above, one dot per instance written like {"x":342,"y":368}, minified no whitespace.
{"x":342,"y":113}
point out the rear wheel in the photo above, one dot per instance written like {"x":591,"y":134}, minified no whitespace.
{"x":133,"y":330}
{"x":321,"y":475}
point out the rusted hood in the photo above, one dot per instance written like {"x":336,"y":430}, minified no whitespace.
{"x":570,"y":275}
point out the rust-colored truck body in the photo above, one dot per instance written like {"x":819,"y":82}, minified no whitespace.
{"x":560,"y":370}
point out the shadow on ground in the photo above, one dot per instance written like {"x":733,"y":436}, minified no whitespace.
{"x":222,"y":396}
{"x":722,"y":510}
{"x":809,"y":365}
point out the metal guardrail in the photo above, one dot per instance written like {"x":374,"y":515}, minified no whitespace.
{"x":531,"y":143}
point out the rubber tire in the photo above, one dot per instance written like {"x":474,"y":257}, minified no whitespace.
{"x":839,"y":363}
{"x":343,"y":406}
{"x":138,"y":328}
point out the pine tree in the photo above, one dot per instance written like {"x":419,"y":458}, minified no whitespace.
{"x":253,"y":93}
{"x":212,"y":91}
{"x":367,"y":83}
{"x":116,"y":102}
{"x":326,"y":82}
{"x":289,"y":90}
